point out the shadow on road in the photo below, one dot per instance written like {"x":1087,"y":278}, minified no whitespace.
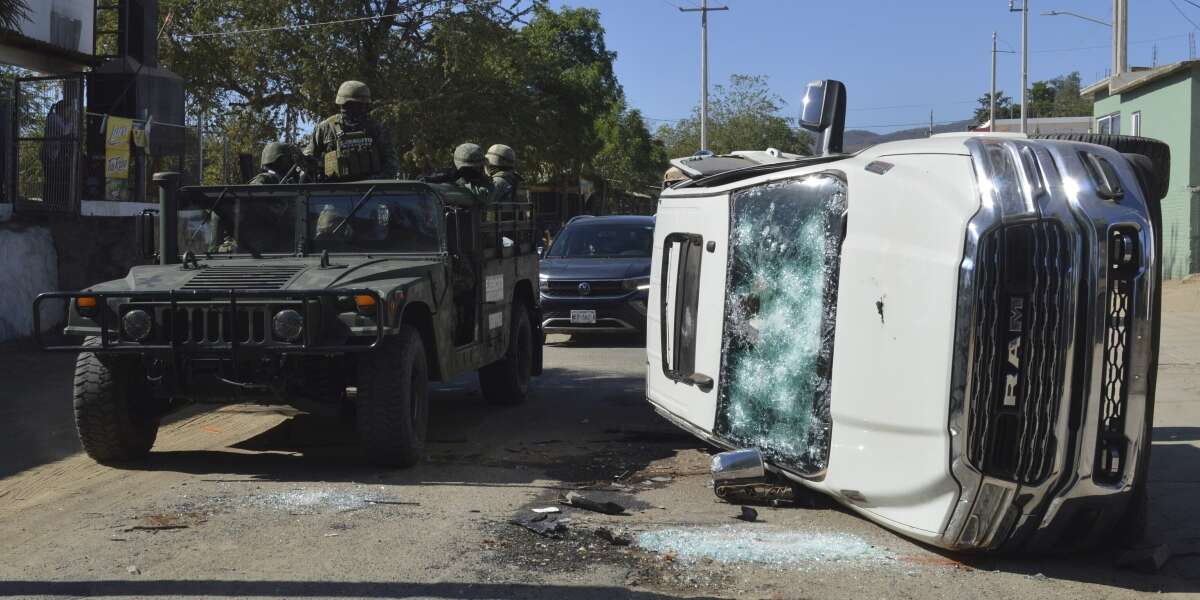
{"x":143,"y":588}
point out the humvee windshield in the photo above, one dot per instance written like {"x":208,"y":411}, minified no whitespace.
{"x":401,"y":221}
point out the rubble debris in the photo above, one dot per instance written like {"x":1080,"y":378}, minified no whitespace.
{"x":1145,"y":560}
{"x":661,"y":479}
{"x":155,"y":527}
{"x":580,"y":501}
{"x":548,"y":509}
{"x":616,"y":538}
{"x":730,"y":544}
{"x":133,"y":570}
{"x":748,"y":515}
{"x":545,"y":525}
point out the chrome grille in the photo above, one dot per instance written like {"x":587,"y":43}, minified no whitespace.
{"x":571,"y":287}
{"x":1112,"y":445}
{"x":243,"y":277}
{"x":1022,"y":297}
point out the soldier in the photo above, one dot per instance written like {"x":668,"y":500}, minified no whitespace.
{"x":672,"y":177}
{"x":350,"y":145}
{"x":468,"y":159}
{"x":278,"y":165}
{"x":501,"y":167}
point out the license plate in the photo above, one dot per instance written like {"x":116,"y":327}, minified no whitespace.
{"x":583,"y":317}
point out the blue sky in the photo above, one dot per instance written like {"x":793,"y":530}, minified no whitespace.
{"x":916,"y":55}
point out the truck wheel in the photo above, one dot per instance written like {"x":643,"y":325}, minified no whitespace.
{"x":114,"y":408}
{"x":393,"y":400}
{"x":506,"y":381}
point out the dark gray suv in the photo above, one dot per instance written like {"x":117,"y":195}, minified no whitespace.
{"x":596,"y":275}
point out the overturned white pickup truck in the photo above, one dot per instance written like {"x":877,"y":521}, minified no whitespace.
{"x":955,"y":337}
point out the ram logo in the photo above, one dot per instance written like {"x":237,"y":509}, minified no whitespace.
{"x":1012,"y":371}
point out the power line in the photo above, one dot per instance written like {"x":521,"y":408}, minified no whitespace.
{"x":286,"y":27}
{"x":1193,"y":3}
{"x":1183,"y":14}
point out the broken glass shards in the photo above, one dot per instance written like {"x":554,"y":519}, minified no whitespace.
{"x":733,"y":544}
{"x":777,"y":348}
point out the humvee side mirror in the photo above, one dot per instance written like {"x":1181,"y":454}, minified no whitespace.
{"x":144,"y":232}
{"x":823,"y":110}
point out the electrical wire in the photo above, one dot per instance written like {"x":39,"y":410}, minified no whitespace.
{"x":286,"y":27}
{"x":1183,"y":14}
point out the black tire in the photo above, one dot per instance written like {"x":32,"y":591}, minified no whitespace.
{"x":1130,"y":529}
{"x":393,"y":400}
{"x":1158,"y":152}
{"x":115,"y":412}
{"x":506,"y":381}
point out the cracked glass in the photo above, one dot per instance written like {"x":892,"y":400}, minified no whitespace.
{"x":780,"y":310}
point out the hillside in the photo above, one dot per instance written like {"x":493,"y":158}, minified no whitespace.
{"x":857,"y":139}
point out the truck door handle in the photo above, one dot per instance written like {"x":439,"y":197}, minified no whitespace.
{"x":701,"y":381}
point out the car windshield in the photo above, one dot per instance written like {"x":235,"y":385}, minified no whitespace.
{"x":386,"y":222}
{"x":237,"y":224}
{"x":604,"y":240}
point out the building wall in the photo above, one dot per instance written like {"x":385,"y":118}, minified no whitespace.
{"x":1170,"y":108}
{"x":28,"y":267}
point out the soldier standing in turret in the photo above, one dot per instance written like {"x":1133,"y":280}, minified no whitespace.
{"x":501,"y":167}
{"x":350,"y":145}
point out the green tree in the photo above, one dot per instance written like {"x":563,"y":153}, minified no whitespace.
{"x":1005,"y":108}
{"x":1041,"y":99}
{"x":12,"y":12}
{"x":629,"y":158}
{"x":744,"y":115}
{"x":1068,"y":101}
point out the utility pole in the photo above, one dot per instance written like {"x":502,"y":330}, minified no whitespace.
{"x":992,"y":97}
{"x":1120,"y":37}
{"x":1024,"y":10}
{"x":703,"y":10}
{"x":1191,"y":45}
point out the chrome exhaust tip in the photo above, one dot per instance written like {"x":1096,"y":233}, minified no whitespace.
{"x":738,"y":467}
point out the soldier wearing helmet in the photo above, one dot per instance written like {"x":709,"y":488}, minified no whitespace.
{"x":351,"y":146}
{"x":501,"y":167}
{"x":672,"y":177}
{"x":278,"y":165}
{"x":469,"y":161}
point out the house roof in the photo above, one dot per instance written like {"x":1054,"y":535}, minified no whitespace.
{"x":1135,"y":79}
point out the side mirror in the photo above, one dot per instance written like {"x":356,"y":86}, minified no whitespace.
{"x":541,"y":250}
{"x":823,"y":110}
{"x":144,"y":233}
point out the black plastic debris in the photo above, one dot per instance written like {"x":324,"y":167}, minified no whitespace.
{"x":1145,"y":560}
{"x":545,"y":525}
{"x":748,"y":515}
{"x":616,"y":538}
{"x":580,"y":501}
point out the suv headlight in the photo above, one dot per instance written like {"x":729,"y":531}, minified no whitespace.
{"x":637,"y":283}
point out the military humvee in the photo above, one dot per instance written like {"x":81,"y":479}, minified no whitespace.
{"x":295,"y":293}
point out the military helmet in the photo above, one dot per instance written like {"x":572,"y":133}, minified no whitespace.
{"x":353,"y":91}
{"x":501,"y":156}
{"x":673,"y":176}
{"x":468,"y":155}
{"x":274,"y":152}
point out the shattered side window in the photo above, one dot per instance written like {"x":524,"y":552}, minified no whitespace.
{"x":777,"y":348}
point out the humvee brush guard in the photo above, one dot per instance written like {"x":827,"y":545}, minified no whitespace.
{"x":295,"y":293}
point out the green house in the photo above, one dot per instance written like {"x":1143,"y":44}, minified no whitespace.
{"x":1162,"y":103}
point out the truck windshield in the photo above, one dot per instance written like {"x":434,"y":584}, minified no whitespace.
{"x":237,"y":224}
{"x":603,"y":240}
{"x":388,"y":221}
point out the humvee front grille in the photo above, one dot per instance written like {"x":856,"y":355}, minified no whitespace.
{"x":243,"y":277}
{"x":202,"y":324}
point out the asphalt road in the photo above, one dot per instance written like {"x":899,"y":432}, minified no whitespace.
{"x":257,"y":502}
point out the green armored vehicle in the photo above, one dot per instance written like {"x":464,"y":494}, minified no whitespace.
{"x":295,"y":294}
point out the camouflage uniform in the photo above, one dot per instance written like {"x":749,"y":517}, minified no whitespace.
{"x":468,"y":159}
{"x":501,"y":165}
{"x":350,"y":145}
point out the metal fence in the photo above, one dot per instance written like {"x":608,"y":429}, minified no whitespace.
{"x":47,"y":142}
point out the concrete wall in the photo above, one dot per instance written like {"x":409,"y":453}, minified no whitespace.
{"x":1170,"y":111}
{"x":28,"y":267}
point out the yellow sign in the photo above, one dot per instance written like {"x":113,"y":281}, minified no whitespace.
{"x":116,"y":147}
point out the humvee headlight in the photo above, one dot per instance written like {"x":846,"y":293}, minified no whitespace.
{"x":288,"y":325}
{"x":137,"y":324}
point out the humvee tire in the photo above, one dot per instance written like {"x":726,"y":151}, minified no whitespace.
{"x":506,"y":381}
{"x":114,"y":412}
{"x":393,"y":400}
